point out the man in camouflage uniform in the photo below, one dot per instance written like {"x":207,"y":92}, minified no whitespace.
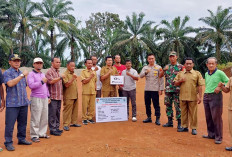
{"x":171,"y":91}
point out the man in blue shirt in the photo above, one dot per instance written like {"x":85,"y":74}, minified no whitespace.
{"x":2,"y":100}
{"x":16,"y":102}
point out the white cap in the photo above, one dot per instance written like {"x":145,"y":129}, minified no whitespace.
{"x":37,"y":60}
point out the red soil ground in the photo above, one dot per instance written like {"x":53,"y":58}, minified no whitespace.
{"x":125,"y":138}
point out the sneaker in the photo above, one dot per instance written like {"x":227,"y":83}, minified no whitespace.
{"x":75,"y":125}
{"x":55,"y":133}
{"x":35,"y":139}
{"x":66,"y":128}
{"x":24,"y":142}
{"x":91,"y":121}
{"x":45,"y":136}
{"x":10,"y":147}
{"x":85,"y":122}
{"x":60,"y":131}
{"x":148,"y":120}
{"x":134,"y":119}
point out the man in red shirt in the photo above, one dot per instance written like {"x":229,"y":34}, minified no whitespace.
{"x":120,"y":68}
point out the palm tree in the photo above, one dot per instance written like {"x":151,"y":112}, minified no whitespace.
{"x":219,"y":31}
{"x":72,"y":38}
{"x":132,"y":36}
{"x":175,"y":35}
{"x":54,"y":14}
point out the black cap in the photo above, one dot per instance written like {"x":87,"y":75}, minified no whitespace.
{"x":14,"y":57}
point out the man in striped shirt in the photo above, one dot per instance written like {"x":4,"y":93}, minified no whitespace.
{"x":55,"y":89}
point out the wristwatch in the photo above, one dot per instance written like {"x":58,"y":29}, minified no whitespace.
{"x":22,"y":75}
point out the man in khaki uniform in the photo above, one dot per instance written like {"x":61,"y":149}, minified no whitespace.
{"x":108,"y":90}
{"x":88,"y":79}
{"x":70,"y":111}
{"x":228,"y":88}
{"x":190,"y":82}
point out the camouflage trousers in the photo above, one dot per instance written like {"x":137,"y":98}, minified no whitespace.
{"x":172,"y":97}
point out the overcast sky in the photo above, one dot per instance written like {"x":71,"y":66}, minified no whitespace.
{"x":155,"y":10}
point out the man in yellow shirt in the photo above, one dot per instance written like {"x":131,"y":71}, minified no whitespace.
{"x":108,"y":90}
{"x":88,"y":79}
{"x":190,"y":82}
{"x":70,"y":92}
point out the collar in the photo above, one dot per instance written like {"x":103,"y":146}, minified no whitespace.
{"x":56,"y":70}
{"x":88,"y":70}
{"x":108,"y":67}
{"x":213,"y":72}
{"x":191,"y":71}
{"x":36,"y":71}
{"x":13,"y":69}
{"x":68,"y":71}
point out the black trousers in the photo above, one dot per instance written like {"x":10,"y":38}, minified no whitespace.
{"x":154,"y":96}
{"x":13,"y":114}
{"x":54,"y":115}
{"x":213,"y":105}
{"x":120,"y":93}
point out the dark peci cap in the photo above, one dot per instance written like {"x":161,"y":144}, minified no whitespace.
{"x":14,"y":57}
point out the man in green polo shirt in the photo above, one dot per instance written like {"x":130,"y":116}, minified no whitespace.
{"x":213,"y":100}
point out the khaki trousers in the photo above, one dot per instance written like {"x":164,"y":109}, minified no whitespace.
{"x":88,"y":104}
{"x":109,"y":93}
{"x":70,"y":111}
{"x":189,"y":114}
{"x":230,"y":122}
{"x":39,"y":117}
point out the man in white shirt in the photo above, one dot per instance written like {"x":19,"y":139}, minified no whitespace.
{"x":96,"y":68}
{"x":129,"y":87}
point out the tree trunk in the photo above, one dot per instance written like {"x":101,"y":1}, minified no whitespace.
{"x":72,"y":49}
{"x":218,"y":52}
{"x":52,"y":44}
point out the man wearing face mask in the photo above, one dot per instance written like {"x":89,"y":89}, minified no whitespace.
{"x":190,"y":82}
{"x":39,"y":101}
{"x":70,"y":92}
{"x":55,"y":89}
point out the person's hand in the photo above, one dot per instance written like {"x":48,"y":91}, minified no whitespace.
{"x":92,"y":74}
{"x":2,"y":106}
{"x":148,"y":70}
{"x":63,"y":76}
{"x":198,"y":100}
{"x":160,"y":92}
{"x":127,"y":73}
{"x":49,"y":101}
{"x":166,"y":68}
{"x":25,"y":72}
{"x":217,"y":90}
{"x":74,"y":76}
{"x":45,"y":80}
{"x":110,"y":70}
{"x":96,"y":68}
{"x":182,"y":80}
{"x":220,"y":84}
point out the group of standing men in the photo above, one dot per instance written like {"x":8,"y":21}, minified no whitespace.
{"x":183,"y":87}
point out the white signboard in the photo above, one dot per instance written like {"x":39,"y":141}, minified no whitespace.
{"x":116,"y":80}
{"x":111,"y":109}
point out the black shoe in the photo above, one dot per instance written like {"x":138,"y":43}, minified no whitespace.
{"x":183,"y":130}
{"x":91,"y":121}
{"x":55,"y":133}
{"x":24,"y":142}
{"x":75,"y":125}
{"x":157,"y":121}
{"x":206,"y":136}
{"x":10,"y":147}
{"x":58,"y":130}
{"x":218,"y":142}
{"x":85,"y":122}
{"x":194,"y":132}
{"x":229,"y":148}
{"x":66,"y":128}
{"x":169,"y":123}
{"x":35,"y":139}
{"x":148,"y":120}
